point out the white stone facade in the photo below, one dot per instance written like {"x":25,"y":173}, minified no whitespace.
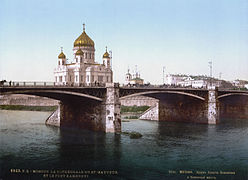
{"x":84,"y":70}
{"x":193,"y":83}
{"x":171,"y":79}
{"x":188,"y":81}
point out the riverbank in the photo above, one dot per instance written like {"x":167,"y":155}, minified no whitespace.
{"x":127,"y":112}
{"x":132,"y":112}
{"x":134,"y":109}
{"x":131,"y":108}
{"x":28,"y":108}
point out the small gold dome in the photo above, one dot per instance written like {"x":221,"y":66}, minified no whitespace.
{"x":61,"y":56}
{"x":106,"y":55}
{"x":84,"y":40}
{"x":79,"y":52}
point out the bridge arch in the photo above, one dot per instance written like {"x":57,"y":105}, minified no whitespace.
{"x":166,"y":92}
{"x":54,"y":94}
{"x":232,"y":94}
{"x":233,"y":105}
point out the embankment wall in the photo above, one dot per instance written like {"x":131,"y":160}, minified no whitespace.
{"x":27,"y":100}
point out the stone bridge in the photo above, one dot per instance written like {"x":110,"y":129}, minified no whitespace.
{"x":98,"y":108}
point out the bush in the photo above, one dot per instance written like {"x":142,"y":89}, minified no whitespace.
{"x":131,"y":117}
{"x":134,"y":108}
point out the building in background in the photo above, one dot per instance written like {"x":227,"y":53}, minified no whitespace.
{"x":179,"y":80}
{"x":240,"y":83}
{"x":133,"y":79}
{"x":173,"y":79}
{"x":84,"y":70}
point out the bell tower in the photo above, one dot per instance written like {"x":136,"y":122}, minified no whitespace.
{"x":61,"y":58}
{"x":106,"y":59}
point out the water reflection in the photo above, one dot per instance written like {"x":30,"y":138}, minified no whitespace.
{"x":88,"y":150}
{"x":181,"y":130}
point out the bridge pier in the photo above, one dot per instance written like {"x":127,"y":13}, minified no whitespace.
{"x":81,"y":114}
{"x":212,"y":106}
{"x":90,"y":114}
{"x":112,"y":108}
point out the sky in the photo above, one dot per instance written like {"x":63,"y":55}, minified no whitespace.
{"x":180,"y":35}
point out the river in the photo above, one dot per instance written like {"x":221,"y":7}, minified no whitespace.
{"x":167,"y":150}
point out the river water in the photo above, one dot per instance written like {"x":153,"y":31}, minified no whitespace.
{"x":167,"y":150}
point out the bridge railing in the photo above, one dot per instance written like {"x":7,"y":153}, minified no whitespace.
{"x":160,"y":86}
{"x":27,"y":83}
{"x":97,"y":84}
{"x":50,"y":84}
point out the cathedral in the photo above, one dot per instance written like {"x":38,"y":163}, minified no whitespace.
{"x":84,"y":70}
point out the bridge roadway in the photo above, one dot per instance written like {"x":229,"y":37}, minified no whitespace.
{"x":97,"y":106}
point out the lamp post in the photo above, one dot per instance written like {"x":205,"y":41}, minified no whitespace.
{"x":110,"y":52}
{"x":210,"y":66}
{"x":163,"y":73}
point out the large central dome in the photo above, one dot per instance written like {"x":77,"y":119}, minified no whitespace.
{"x":84,"y":40}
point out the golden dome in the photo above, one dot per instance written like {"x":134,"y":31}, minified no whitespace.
{"x":106,"y":55}
{"x":84,"y":40}
{"x":61,"y":56}
{"x":79,"y":52}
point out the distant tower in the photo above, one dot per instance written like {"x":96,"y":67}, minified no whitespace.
{"x":61,"y":58}
{"x":128,"y":77}
{"x":106,"y":59}
{"x":136,"y":74}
